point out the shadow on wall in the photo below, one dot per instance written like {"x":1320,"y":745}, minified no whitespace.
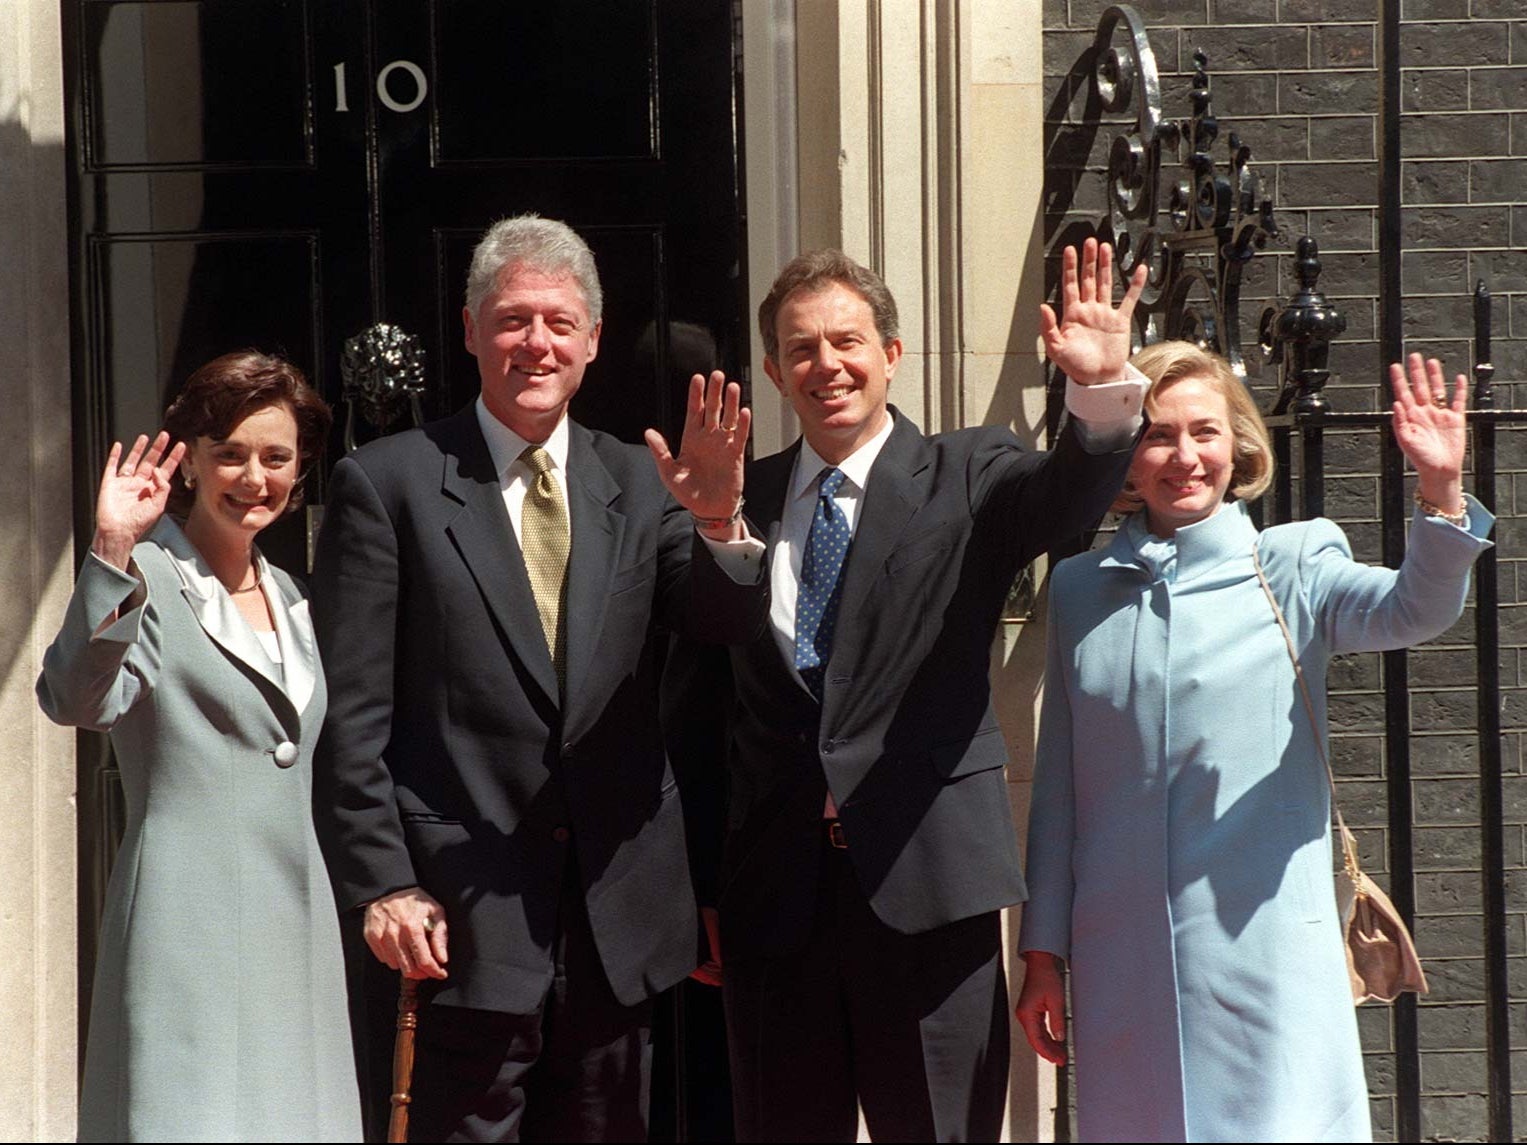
{"x":25,"y":568}
{"x":1071,"y":124}
{"x":1069,"y":135}
{"x":1072,"y":121}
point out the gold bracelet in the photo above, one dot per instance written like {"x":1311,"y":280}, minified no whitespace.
{"x":719,"y":522}
{"x":1460,"y":518}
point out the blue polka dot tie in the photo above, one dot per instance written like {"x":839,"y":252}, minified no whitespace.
{"x":816,"y":608}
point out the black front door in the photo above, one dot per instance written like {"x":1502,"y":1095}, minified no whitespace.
{"x":285,"y":173}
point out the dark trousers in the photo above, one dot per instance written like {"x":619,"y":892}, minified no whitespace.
{"x":912,"y":1027}
{"x":575,"y":1070}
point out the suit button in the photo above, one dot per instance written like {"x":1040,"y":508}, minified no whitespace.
{"x":567,"y":748}
{"x":285,"y":753}
{"x":827,"y":747}
{"x":561,"y":834}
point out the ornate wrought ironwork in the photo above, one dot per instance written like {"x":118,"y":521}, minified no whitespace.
{"x":383,"y":373}
{"x":1215,"y":214}
{"x":1296,"y":338}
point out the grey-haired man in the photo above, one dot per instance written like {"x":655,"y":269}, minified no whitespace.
{"x":492,"y":792}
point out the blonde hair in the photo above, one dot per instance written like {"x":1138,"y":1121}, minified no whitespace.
{"x":1167,"y":362}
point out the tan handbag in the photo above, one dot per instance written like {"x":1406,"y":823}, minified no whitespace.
{"x":1381,"y":956}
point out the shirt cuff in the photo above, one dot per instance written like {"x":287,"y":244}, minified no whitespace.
{"x":741,"y":560}
{"x":1109,"y":414}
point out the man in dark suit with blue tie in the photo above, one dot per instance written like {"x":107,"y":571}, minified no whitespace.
{"x":870,"y":844}
{"x":492,"y":791}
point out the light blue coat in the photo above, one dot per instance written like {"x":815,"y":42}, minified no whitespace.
{"x":1179,"y":848}
{"x":219,"y":1010}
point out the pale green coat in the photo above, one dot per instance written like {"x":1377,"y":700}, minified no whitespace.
{"x":219,"y":1009}
{"x":1180,"y":841}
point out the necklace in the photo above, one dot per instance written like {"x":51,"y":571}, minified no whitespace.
{"x":249,"y":588}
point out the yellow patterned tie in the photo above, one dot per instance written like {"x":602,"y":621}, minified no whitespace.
{"x":544,"y":540}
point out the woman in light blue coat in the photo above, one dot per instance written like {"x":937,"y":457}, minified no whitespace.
{"x":219,"y":1009}
{"x":1179,"y":854}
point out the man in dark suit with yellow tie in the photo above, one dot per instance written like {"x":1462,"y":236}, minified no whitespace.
{"x":492,"y":792}
{"x":870,"y":843}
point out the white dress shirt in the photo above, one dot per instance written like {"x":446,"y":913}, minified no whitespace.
{"x":514,"y":476}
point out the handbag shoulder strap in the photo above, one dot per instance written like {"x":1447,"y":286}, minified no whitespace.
{"x":1348,"y":842}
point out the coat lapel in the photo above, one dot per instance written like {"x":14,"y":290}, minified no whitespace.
{"x":294,"y":629}
{"x":220,"y":619}
{"x":484,"y":536}
{"x":597,"y":529}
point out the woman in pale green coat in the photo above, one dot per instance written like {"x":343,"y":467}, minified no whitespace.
{"x":1179,"y":852}
{"x":218,"y":1012}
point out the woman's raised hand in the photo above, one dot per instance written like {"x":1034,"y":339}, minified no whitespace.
{"x":1090,"y":342}
{"x":133,"y":494}
{"x":1431,"y":428}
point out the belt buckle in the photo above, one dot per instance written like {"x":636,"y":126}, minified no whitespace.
{"x":835,"y":835}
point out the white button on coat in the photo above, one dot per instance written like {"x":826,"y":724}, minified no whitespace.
{"x":285,"y":753}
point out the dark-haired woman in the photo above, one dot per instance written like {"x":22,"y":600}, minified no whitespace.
{"x":218,"y":1012}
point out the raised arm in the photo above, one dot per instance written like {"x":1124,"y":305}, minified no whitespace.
{"x":105,"y":656}
{"x":1043,"y":499}
{"x":1365,"y":609}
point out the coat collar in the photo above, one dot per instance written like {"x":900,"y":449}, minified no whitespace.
{"x":220,"y":618}
{"x":1194,"y":550}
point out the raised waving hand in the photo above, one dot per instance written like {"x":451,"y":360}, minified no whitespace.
{"x":1090,"y":340}
{"x":133,"y":494}
{"x":706,"y":476}
{"x":1430,"y":427}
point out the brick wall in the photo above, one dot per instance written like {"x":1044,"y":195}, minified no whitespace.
{"x":1297,"y":80}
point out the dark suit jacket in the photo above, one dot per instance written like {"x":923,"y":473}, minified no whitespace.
{"x":449,"y":760}
{"x":905,"y":733}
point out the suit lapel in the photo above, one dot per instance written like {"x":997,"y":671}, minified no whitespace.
{"x":483,"y":535}
{"x":768,"y":484}
{"x":894,"y":495}
{"x":597,"y":529}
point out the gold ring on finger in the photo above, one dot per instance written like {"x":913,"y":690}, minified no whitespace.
{"x":429,"y":925}
{"x":1439,"y":399}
